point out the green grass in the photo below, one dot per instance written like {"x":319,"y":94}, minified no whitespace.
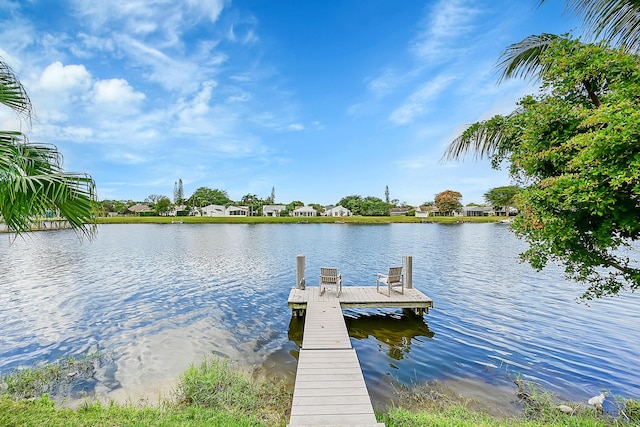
{"x":214,"y":393}
{"x":43,"y":412}
{"x":461,"y":416}
{"x":291,"y":220}
{"x":217,"y":393}
{"x":215,"y":383}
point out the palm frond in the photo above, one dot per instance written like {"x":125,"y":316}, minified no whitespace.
{"x":482,"y":138}
{"x":12,"y":93}
{"x":33,"y":182}
{"x":615,"y":20}
{"x":522,"y":59}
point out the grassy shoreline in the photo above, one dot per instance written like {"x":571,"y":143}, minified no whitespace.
{"x":218,"y":393}
{"x":292,"y":220}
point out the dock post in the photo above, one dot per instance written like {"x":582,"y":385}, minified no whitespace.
{"x":300,"y":264}
{"x":407,"y":260}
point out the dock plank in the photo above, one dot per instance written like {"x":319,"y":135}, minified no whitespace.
{"x":330,"y":389}
{"x":324,"y":326}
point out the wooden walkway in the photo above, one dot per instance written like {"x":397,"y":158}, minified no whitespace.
{"x":329,"y":388}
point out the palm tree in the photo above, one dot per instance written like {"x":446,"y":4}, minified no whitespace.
{"x":32,"y":180}
{"x":615,"y":20}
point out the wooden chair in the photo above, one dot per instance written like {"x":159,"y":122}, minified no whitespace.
{"x":330,"y":277}
{"x":393,"y":279}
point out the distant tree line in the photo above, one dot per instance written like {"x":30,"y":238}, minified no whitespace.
{"x":447,"y":202}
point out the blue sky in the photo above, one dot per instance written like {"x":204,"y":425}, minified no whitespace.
{"x":317,"y":99}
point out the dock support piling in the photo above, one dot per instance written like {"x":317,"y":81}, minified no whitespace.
{"x":300,"y":266}
{"x":407,"y":260}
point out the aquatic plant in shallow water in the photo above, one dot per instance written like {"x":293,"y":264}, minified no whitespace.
{"x":54,"y":379}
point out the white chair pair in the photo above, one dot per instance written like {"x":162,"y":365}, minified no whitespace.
{"x":329,"y":276}
{"x":393,"y":279}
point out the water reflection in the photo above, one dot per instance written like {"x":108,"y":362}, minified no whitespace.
{"x":394,"y":332}
{"x":185,"y":291}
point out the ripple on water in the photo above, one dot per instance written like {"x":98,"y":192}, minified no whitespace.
{"x":159,"y":297}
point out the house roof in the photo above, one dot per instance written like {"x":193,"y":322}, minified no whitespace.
{"x":238,"y":208}
{"x":305,"y":208}
{"x":139,"y":207}
{"x":273,"y":208}
{"x":337,"y":208}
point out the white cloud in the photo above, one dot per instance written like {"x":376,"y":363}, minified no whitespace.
{"x":295,"y":127}
{"x":144,"y":17}
{"x":199,"y":106}
{"x":64,"y":78}
{"x":419,"y":101}
{"x":115,"y":91}
{"x":384,"y":83}
{"x":448,"y":21}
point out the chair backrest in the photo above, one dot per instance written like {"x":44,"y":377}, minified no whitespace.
{"x":329,"y":274}
{"x":395,"y":274}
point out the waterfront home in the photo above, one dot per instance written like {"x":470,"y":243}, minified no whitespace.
{"x":399,"y":211}
{"x":272,"y":210}
{"x":140,"y":209}
{"x":304,"y":211}
{"x":425,"y":211}
{"x":210,"y":210}
{"x":237,"y":211}
{"x":477,"y":211}
{"x":337,"y":211}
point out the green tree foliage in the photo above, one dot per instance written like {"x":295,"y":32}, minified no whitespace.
{"x":576,"y":146}
{"x":118,"y":206}
{"x":353,"y":203}
{"x":254,"y":203}
{"x":373,"y":206}
{"x":205,"y":196}
{"x":162,"y":205}
{"x":368,"y":206}
{"x":32,"y":180}
{"x":502,"y":196}
{"x":448,"y":201}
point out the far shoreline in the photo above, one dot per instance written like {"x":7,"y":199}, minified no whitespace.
{"x":297,"y":220}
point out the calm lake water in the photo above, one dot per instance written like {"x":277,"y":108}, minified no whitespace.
{"x":156,"y":298}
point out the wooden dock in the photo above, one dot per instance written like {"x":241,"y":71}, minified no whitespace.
{"x":329,"y":388}
{"x":361,"y":297}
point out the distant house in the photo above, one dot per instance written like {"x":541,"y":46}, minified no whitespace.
{"x":504,"y":211}
{"x":178,"y":210}
{"x":304,"y":211}
{"x":140,"y":209}
{"x":398,"y":211}
{"x":237,"y":211}
{"x":337,"y":211}
{"x":272,"y":210}
{"x":425,"y":211}
{"x":477,"y":210}
{"x":212,"y":210}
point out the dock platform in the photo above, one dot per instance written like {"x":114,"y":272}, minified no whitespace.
{"x":361,"y":297}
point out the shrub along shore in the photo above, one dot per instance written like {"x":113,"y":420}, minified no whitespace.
{"x":217,"y":393}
